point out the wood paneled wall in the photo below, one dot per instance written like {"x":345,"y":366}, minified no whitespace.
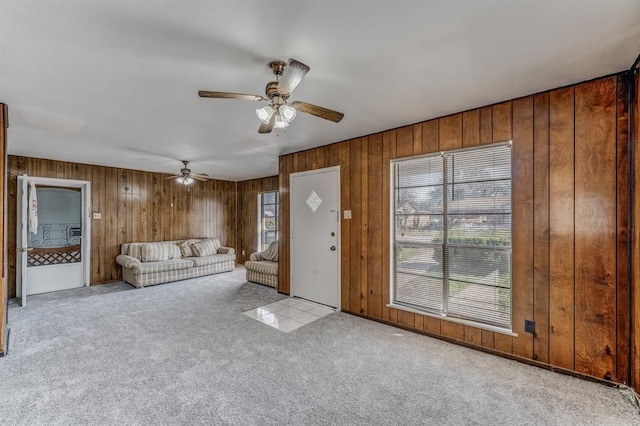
{"x":248,"y":190}
{"x":635,"y":254}
{"x":135,"y":206}
{"x":3,"y":225}
{"x":570,"y":222}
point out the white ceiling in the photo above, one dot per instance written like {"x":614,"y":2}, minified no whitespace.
{"x":115,"y":82}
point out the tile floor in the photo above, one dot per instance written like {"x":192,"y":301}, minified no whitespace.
{"x":288,"y":314}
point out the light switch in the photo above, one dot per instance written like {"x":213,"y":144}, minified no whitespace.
{"x":97,"y":215}
{"x":347,"y":214}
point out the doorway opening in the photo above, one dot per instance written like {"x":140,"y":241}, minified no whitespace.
{"x":53,"y":220}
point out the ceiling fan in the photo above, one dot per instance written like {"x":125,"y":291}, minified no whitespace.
{"x":279,"y":113}
{"x":186,"y":177}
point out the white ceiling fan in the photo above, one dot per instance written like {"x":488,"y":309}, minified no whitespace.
{"x":279,"y":113}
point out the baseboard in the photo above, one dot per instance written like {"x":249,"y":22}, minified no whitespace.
{"x":105,"y":282}
{"x":523,"y":360}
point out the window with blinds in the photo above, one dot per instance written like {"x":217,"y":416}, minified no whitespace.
{"x":452,"y":234}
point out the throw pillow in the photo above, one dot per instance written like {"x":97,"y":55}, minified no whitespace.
{"x":205,"y":248}
{"x":271,"y":253}
{"x":185,"y":249}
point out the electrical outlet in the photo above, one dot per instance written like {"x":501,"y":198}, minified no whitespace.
{"x":97,"y":215}
{"x":529,"y":326}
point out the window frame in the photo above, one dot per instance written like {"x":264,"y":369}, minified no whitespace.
{"x":443,"y":315}
{"x":261,"y":208}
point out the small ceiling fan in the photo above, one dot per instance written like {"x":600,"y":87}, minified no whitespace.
{"x":279,"y":113}
{"x":186,"y":177}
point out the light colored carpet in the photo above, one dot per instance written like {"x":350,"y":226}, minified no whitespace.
{"x":182,"y":353}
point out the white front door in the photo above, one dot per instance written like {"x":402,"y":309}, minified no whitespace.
{"x":55,"y":255}
{"x":315,"y":239}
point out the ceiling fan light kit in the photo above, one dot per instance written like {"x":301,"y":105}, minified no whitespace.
{"x":264,"y":113}
{"x":186,"y":180}
{"x":285,"y":114}
{"x":280,"y":113}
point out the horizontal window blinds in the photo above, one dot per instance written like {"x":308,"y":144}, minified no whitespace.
{"x":452,"y":234}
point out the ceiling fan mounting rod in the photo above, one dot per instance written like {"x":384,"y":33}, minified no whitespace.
{"x":277,"y":67}
{"x":272,"y":87}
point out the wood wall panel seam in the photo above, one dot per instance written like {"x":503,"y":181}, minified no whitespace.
{"x":356,"y":220}
{"x":541,"y":227}
{"x":364,"y":226}
{"x":375,"y":226}
{"x":623,"y":322}
{"x":522,"y":219}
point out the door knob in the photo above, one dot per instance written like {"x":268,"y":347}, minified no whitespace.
{"x":333,"y":248}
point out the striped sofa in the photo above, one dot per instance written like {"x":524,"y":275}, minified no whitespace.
{"x":262,"y":267}
{"x":152,"y":263}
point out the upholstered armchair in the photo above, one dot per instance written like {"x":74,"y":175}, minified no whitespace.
{"x":262,"y":266}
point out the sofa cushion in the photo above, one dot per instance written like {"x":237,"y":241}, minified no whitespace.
{"x":210,"y":260}
{"x":263,"y":267}
{"x":206,"y":247}
{"x":157,"y":252}
{"x":185,"y":246}
{"x":164,"y":266}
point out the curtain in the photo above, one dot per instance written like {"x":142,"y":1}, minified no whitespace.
{"x":33,"y":209}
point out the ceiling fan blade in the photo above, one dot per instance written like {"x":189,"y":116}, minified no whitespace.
{"x":327,"y":114}
{"x":200,"y":178}
{"x":227,"y":95}
{"x":174,"y":177}
{"x":201,"y":175}
{"x":267,"y":128}
{"x":293,"y":74}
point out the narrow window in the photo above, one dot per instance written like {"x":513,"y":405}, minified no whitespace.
{"x":267,"y":218}
{"x":452,"y":234}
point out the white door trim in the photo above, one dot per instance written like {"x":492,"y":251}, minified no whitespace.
{"x":85,"y":189}
{"x":292,"y":177}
